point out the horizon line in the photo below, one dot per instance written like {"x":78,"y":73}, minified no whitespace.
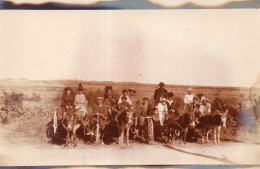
{"x":144,"y":83}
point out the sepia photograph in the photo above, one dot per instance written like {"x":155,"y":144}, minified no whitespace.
{"x":130,"y":87}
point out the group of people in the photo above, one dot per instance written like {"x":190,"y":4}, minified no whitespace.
{"x":162,"y":107}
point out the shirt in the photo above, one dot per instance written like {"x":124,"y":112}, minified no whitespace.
{"x":127,"y":100}
{"x":205,"y":109}
{"x":188,"y":98}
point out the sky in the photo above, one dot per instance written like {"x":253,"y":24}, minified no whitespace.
{"x":187,"y":47}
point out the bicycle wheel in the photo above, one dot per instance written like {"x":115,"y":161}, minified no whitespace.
{"x":97,"y":134}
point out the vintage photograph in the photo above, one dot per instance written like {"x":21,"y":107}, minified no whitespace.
{"x":130,"y":87}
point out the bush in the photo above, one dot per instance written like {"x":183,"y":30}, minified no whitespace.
{"x":35,"y":98}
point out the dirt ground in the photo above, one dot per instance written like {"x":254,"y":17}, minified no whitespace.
{"x":44,"y":153}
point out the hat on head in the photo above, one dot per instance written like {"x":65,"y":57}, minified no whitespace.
{"x":200,"y":95}
{"x":99,"y":98}
{"x":204,"y":99}
{"x":145,"y":98}
{"x":80,"y":88}
{"x":161,"y":84}
{"x":132,"y":89}
{"x":125,"y":90}
{"x":170,"y":94}
{"x":189,"y":89}
{"x":67,"y":88}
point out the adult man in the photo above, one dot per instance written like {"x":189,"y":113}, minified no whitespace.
{"x":99,"y":107}
{"x":188,"y":100}
{"x":136,"y":105}
{"x":124,"y":94}
{"x":133,"y":97}
{"x":160,"y":93}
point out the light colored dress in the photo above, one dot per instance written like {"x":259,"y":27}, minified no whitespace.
{"x":160,"y":113}
{"x":80,"y":102}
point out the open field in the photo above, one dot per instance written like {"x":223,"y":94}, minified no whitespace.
{"x":24,"y":130}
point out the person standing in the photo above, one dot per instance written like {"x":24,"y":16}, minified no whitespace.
{"x":160,"y":93}
{"x":188,"y":100}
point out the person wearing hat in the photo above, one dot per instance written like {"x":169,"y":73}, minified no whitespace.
{"x":133,"y":97}
{"x":111,"y":104}
{"x":80,"y":100}
{"x":135,"y":103}
{"x":170,"y":102}
{"x":188,"y":99}
{"x":99,"y":107}
{"x":159,"y":93}
{"x":67,"y":99}
{"x":124,"y":94}
{"x":205,"y":107}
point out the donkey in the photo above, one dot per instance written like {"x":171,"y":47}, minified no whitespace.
{"x":124,"y":120}
{"x":71,"y":125}
{"x":210,"y":122}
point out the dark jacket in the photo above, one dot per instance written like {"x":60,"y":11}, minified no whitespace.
{"x":160,"y":93}
{"x":103,"y":111}
{"x":147,"y":110}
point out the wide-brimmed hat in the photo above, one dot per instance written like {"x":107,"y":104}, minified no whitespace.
{"x":132,"y":89}
{"x":204,"y":99}
{"x":195,"y":97}
{"x":170,"y":94}
{"x":200,"y":95}
{"x":161,"y":84}
{"x":80,"y":88}
{"x":124,"y":90}
{"x":99,"y":98}
{"x":189,"y":89}
{"x":145,"y":98}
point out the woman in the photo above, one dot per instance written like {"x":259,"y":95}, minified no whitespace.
{"x":161,"y":111}
{"x":67,"y":99}
{"x":80,"y":101}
